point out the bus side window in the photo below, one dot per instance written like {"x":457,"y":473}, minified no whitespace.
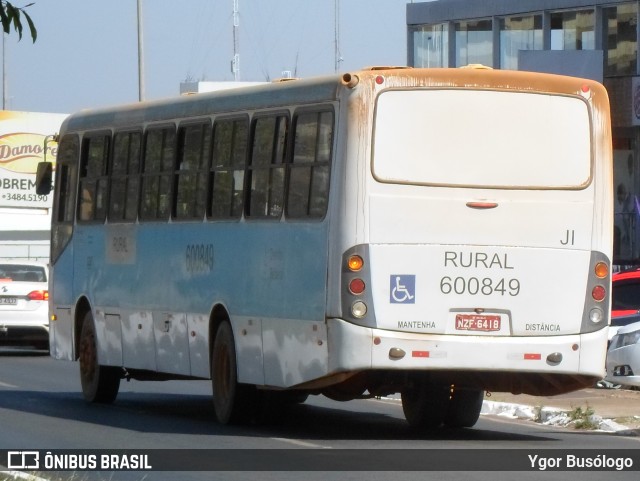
{"x":266,"y":169}
{"x":157,"y":176}
{"x":64,"y":204}
{"x":67,"y":162}
{"x":192,"y":174}
{"x":308,"y":186}
{"x":125,"y":177}
{"x":93,"y":177}
{"x":227,"y":170}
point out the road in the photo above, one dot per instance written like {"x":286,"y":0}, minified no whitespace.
{"x":41,"y":407}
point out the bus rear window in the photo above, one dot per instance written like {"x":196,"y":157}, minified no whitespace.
{"x":482,"y":138}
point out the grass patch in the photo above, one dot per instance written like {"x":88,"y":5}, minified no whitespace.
{"x":583,"y":418}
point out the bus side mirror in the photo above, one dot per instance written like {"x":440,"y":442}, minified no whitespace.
{"x":44,"y":176}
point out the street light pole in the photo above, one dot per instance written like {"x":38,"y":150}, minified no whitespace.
{"x":140,"y":55}
{"x":5,"y":83}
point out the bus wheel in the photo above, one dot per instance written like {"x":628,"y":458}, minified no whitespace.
{"x":231,"y":400}
{"x":425,"y":405}
{"x":464,"y":408}
{"x":100,"y":384}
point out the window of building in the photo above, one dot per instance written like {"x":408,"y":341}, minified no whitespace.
{"x":230,"y":137}
{"x":192,"y":170}
{"x":625,"y":237}
{"x":620,"y":39}
{"x":573,"y":30}
{"x":93,"y":177}
{"x":474,"y":43}
{"x":519,"y":33}
{"x":308,"y":190}
{"x":266,"y":169}
{"x":158,"y":170}
{"x":125,"y":177}
{"x":431,"y":46}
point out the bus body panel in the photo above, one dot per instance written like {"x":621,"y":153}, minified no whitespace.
{"x":524,"y":291}
{"x":62,"y":307}
{"x":170,"y":288}
{"x":453,"y":258}
{"x":109,"y":333}
{"x":138,"y":339}
{"x":294,"y":352}
{"x":443,"y":216}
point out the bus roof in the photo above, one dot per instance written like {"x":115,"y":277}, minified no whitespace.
{"x":282,"y":93}
{"x":313,"y":90}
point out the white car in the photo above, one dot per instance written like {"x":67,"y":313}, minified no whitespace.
{"x":623,"y":356}
{"x":24,"y":311}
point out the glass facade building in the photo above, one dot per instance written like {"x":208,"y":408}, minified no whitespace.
{"x":594,"y":39}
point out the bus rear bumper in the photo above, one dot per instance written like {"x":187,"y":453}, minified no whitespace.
{"x":358,"y":348}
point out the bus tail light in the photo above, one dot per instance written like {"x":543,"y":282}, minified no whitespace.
{"x":355,"y":263}
{"x":595,"y":315}
{"x":598,"y":293}
{"x":356,"y":297}
{"x":601,"y":270}
{"x":356,"y":286}
{"x":359,"y":309}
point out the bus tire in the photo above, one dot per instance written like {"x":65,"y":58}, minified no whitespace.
{"x":425,"y":405}
{"x":100,"y":384}
{"x":464,"y":408}
{"x":231,"y":400}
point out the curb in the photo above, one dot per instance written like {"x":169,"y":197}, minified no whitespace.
{"x":550,"y":416}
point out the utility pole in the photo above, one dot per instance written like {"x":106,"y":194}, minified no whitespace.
{"x":336,"y":30}
{"x":235,"y":63}
{"x":5,"y":97}
{"x":140,"y":55}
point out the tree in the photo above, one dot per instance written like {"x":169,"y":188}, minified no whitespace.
{"x":12,"y":15}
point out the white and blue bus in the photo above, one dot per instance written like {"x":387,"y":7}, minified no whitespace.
{"x":431,"y":232}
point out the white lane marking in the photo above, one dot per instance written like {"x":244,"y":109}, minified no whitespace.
{"x":4,"y":384}
{"x":297,"y":442}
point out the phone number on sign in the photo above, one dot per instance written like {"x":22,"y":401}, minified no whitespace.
{"x":25,"y":197}
{"x":475,"y":286}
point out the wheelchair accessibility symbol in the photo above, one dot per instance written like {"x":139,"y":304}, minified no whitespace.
{"x":402,"y":289}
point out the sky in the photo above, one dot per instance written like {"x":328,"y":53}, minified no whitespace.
{"x":86,"y":53}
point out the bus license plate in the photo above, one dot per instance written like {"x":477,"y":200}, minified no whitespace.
{"x":477,"y":322}
{"x":8,"y":300}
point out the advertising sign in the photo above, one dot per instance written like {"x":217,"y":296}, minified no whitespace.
{"x":22,"y":146}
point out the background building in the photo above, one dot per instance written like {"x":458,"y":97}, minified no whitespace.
{"x":196,"y":87}
{"x":592,"y":39}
